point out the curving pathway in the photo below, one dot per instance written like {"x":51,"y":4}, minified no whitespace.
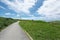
{"x":13,"y":32}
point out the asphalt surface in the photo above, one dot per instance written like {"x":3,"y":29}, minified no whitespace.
{"x":13,"y":32}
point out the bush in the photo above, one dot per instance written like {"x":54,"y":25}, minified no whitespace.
{"x":4,"y":22}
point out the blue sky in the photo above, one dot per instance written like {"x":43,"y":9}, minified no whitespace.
{"x":30,"y":9}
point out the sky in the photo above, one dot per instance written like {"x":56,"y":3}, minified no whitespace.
{"x":47,"y":10}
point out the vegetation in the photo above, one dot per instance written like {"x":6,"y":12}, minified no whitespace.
{"x":40,"y":30}
{"x":4,"y":22}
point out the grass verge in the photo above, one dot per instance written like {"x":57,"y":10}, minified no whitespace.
{"x":40,"y":30}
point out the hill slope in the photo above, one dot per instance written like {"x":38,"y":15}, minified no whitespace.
{"x":4,"y":22}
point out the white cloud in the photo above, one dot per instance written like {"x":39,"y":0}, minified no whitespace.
{"x":51,"y":9}
{"x":2,"y":7}
{"x":7,"y":14}
{"x":18,"y":15}
{"x":18,"y":6}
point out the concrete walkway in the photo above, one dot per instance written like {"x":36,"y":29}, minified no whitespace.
{"x":13,"y":32}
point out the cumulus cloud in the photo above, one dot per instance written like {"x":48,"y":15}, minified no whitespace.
{"x":51,"y":9}
{"x":7,"y":14}
{"x":19,"y":6}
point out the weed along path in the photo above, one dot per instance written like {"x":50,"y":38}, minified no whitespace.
{"x":13,"y":32}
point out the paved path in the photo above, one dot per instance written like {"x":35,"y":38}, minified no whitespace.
{"x":13,"y":32}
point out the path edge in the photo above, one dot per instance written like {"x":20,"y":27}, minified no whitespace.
{"x":28,"y":34}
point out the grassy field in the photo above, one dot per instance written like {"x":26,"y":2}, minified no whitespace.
{"x":4,"y":22}
{"x":40,"y":30}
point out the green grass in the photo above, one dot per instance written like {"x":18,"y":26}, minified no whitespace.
{"x":40,"y":30}
{"x":4,"y":22}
